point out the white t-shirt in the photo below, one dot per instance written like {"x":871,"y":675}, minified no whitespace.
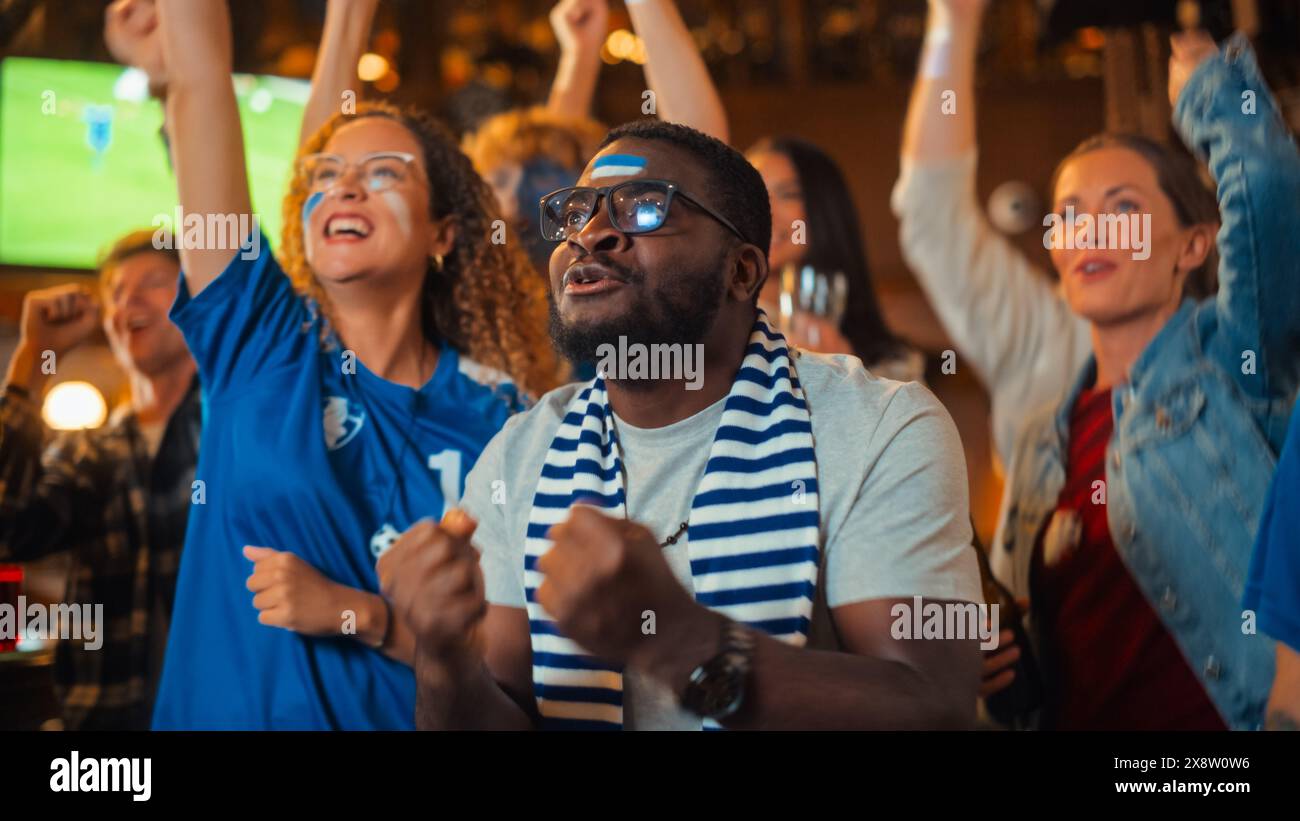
{"x":893,"y":500}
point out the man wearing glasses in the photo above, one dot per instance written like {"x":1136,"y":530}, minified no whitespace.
{"x":654,"y":557}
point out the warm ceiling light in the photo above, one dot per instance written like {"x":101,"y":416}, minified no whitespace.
{"x":371,"y":67}
{"x":638,"y":55}
{"x":73,"y":406}
{"x":621,"y":43}
{"x":1092,"y":38}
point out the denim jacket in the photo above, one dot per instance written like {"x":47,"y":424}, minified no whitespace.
{"x":1200,"y":422}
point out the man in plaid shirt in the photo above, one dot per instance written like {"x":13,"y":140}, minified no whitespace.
{"x":116,"y":497}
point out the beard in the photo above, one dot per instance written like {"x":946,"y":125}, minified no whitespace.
{"x":681,"y":310}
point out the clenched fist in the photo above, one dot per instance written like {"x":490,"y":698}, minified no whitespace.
{"x":131,"y":34}
{"x":58,"y":319}
{"x":292,"y":594}
{"x":580,"y":25}
{"x":602,"y":576}
{"x":432,"y":578}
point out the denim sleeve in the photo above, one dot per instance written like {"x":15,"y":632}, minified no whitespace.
{"x":1226,"y":114}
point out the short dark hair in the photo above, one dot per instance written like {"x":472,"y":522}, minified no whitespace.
{"x":735,"y":188}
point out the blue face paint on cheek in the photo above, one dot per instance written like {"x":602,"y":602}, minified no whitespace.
{"x":307,"y":208}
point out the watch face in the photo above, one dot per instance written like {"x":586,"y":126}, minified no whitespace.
{"x":725,"y":697}
{"x":719,"y":686}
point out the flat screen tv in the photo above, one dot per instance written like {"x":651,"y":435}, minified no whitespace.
{"x":82,"y":160}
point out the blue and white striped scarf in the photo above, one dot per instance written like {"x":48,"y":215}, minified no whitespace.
{"x":753,"y":536}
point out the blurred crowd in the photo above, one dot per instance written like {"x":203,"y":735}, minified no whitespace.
{"x":381,"y":478}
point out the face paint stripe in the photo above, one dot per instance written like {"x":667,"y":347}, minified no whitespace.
{"x":618,"y":165}
{"x":308,"y":206}
{"x":400,"y":211}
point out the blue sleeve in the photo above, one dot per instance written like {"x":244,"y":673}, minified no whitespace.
{"x":1273,"y":590}
{"x":247,"y":322}
{"x":1226,"y":114}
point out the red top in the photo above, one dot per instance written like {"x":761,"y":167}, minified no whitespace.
{"x":1111,"y":662}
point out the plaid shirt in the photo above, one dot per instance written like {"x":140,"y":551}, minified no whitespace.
{"x":121,"y":514}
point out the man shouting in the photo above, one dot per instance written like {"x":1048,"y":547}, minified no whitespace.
{"x":635,"y":554}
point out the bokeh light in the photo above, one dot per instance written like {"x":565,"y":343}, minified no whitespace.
{"x":74,"y":405}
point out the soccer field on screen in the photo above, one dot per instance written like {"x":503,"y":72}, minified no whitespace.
{"x":82,"y":160}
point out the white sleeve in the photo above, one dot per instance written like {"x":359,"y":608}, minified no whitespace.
{"x":484,"y":499}
{"x":1002,"y":313}
{"x":908,"y":532}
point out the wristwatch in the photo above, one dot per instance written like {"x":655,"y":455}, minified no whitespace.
{"x":716,"y":688}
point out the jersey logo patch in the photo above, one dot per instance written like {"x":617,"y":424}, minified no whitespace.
{"x":383,"y":539}
{"x":342,"y":421}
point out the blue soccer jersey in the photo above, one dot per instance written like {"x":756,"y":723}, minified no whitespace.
{"x":303,"y":450}
{"x":1273,"y":589}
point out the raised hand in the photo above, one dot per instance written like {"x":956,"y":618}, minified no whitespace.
{"x":580,"y":25}
{"x":131,"y":34}
{"x":1187,"y":51}
{"x":58,"y":319}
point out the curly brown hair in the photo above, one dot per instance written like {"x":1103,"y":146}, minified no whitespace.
{"x":523,"y":134}
{"x":486,"y":301}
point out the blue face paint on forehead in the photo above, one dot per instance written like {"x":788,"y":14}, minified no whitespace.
{"x":618,"y":165}
{"x":307,"y":207}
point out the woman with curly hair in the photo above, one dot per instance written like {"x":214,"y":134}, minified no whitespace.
{"x":346,"y":394}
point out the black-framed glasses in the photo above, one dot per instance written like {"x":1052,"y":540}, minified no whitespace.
{"x":380,"y":170}
{"x":635,"y":207}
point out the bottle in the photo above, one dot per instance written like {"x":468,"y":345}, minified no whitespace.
{"x":1013,"y":704}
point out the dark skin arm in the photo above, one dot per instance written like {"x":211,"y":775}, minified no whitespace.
{"x":604,"y":573}
{"x":489,"y":692}
{"x":876,"y":683}
{"x":463,"y":647}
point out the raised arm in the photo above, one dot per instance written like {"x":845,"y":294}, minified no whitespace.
{"x":933,"y":131}
{"x":131,"y":34}
{"x":1002,"y":313}
{"x":1224,"y":111}
{"x":683,"y":90}
{"x":45,"y":492}
{"x":207,"y":143}
{"x":347,"y":29}
{"x":580,"y":27}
